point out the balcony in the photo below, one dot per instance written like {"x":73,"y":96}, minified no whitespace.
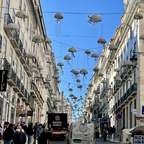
{"x":14,"y":39}
{"x":21,"y":92}
{"x":16,"y":88}
{"x":127,"y":96}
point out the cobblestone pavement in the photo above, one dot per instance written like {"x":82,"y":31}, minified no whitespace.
{"x":98,"y":141}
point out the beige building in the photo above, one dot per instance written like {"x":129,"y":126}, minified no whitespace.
{"x":25,"y":51}
{"x":120,"y":100}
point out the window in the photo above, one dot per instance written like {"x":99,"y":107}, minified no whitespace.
{"x":10,"y":56}
{"x":27,"y":84}
{"x":7,"y":12}
{"x":123,"y":118}
{"x":20,"y":4}
{"x":123,"y":89}
{"x":24,"y":7}
{"x":16,"y":65}
{"x":127,"y":116}
{"x":27,"y":25}
{"x":20,"y":74}
{"x":13,"y":16}
{"x":131,"y":33}
{"x":13,"y":100}
{"x":135,"y":115}
{"x":25,"y":46}
{"x":134,"y":76}
{"x":22,"y":39}
{"x":131,"y":120}
{"x":127,"y":85}
{"x":30,"y":32}
{"x":4,"y":47}
{"x":24,"y":78}
{"x":18,"y":26}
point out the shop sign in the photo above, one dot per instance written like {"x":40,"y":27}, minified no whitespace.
{"x":30,"y":113}
{"x":23,"y":113}
{"x":41,"y":115}
{"x":3,"y":80}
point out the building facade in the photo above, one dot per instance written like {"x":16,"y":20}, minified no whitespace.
{"x":25,"y":52}
{"x":118,"y":82}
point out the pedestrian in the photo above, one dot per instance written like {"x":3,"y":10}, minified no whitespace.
{"x":8,"y":134}
{"x":44,"y":138}
{"x":19,"y":136}
{"x":40,"y":130}
{"x":105,"y":132}
{"x":30,"y":132}
{"x":35,"y":129}
{"x":114,"y":131}
{"x":50,"y":130}
{"x":24,"y":127}
{"x":1,"y":133}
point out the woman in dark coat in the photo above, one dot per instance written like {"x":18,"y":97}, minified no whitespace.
{"x":45,"y":135}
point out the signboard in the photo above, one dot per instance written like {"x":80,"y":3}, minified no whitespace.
{"x":138,"y":139}
{"x":57,"y":120}
{"x":119,"y":116}
{"x":142,"y":110}
{"x":3,"y":80}
{"x":30,"y":113}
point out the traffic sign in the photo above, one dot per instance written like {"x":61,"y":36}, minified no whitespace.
{"x":119,"y":116}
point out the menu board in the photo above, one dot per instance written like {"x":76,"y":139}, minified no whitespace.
{"x":138,"y":139}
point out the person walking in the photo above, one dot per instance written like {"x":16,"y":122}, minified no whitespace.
{"x":19,"y":136}
{"x":8,"y":134}
{"x":30,"y":132}
{"x":35,"y":129}
{"x":40,"y":130}
{"x":50,"y":131}
{"x":44,"y":138}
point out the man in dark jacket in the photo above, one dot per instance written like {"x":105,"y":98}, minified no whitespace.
{"x":19,"y":137}
{"x":30,"y":132}
{"x":8,"y":134}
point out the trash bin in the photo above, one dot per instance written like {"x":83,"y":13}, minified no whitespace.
{"x":97,"y":134}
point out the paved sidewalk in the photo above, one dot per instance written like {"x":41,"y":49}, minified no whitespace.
{"x":113,"y":140}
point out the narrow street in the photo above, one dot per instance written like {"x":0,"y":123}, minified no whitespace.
{"x":98,"y":141}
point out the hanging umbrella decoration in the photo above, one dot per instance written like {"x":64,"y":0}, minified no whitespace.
{"x":95,"y":56}
{"x":61,"y":65}
{"x":94,"y":19}
{"x":58,"y":17}
{"x":67,"y":58}
{"x":72,"y":50}
{"x":70,"y":89}
{"x":80,"y":87}
{"x":102,"y":41}
{"x":88,"y":52}
{"x":84,"y":72}
{"x":78,"y":81}
{"x":76,"y":73}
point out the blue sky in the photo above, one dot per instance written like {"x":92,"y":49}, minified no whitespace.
{"x":74,"y":30}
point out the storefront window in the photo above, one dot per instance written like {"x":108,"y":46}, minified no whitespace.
{"x":7,"y":104}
